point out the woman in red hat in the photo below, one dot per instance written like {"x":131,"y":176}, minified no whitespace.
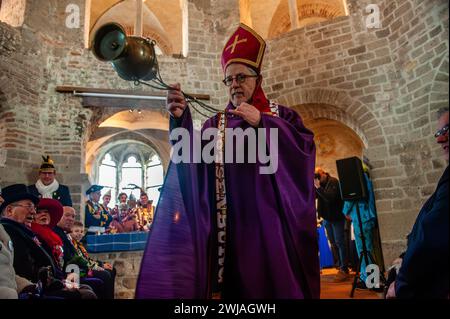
{"x":49,"y":212}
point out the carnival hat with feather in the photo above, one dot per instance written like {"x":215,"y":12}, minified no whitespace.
{"x":47,"y":165}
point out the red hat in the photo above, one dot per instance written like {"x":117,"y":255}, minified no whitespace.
{"x":55,"y":209}
{"x":244,"y":46}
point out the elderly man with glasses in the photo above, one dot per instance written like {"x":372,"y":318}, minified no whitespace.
{"x":424,"y":271}
{"x":17,"y":213}
{"x":232,"y":231}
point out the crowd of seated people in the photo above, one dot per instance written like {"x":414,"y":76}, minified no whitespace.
{"x":129,"y":215}
{"x":38,"y":256}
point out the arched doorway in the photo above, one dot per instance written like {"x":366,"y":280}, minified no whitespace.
{"x":334,"y":140}
{"x":124,"y":163}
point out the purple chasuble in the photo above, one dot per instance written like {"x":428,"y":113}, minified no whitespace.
{"x":271,"y":237}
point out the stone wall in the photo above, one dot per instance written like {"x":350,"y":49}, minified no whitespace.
{"x":390,"y":82}
{"x":12,"y":12}
{"x":35,"y":120}
{"x":127,"y":266}
{"x":384,"y":84}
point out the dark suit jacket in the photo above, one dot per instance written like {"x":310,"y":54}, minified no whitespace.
{"x":425,"y":268}
{"x":69,"y":249}
{"x":62,"y":194}
{"x":29,"y":257}
{"x":329,"y":201}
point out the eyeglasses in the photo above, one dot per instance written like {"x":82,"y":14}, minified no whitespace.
{"x":442,"y":131}
{"x":29,"y":207}
{"x":240,"y":78}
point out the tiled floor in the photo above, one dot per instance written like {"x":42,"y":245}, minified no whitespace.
{"x":332,"y":290}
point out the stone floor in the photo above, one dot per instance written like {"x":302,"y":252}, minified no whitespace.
{"x":341,"y":290}
{"x":329,"y":290}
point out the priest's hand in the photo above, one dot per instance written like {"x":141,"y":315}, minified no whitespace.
{"x":249,"y":113}
{"x":175,"y":101}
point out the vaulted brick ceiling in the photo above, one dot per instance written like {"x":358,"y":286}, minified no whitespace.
{"x":270,"y":18}
{"x":160,"y":24}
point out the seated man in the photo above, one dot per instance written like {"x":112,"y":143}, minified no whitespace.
{"x":18,"y":211}
{"x":424,"y":270}
{"x":48,"y":187}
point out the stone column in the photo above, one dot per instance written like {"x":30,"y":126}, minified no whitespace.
{"x":293,"y":14}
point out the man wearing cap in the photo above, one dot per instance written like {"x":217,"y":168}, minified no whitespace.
{"x":96,"y":217}
{"x":48,"y":187}
{"x":238,"y":233}
{"x":17,"y":212}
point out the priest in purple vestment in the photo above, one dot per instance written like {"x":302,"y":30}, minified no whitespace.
{"x":224,"y":229}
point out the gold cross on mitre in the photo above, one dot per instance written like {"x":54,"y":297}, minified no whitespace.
{"x":235,"y":43}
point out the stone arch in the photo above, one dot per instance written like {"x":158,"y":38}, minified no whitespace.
{"x":150,"y":127}
{"x":334,"y":140}
{"x":146,"y":119}
{"x":161,"y":40}
{"x":362,"y":120}
{"x":308,"y":13}
{"x":311,"y":112}
{"x":95,"y":159}
{"x":96,"y":150}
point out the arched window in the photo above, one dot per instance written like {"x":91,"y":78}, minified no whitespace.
{"x":107,"y":177}
{"x":117,"y":175}
{"x":154,"y":178}
{"x":132,"y":173}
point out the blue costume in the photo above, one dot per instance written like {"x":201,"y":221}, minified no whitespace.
{"x":368,"y":218}
{"x":95,"y":214}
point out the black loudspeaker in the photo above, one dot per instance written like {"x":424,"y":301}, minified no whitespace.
{"x":351,"y":179}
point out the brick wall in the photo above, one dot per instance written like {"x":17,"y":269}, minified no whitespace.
{"x":384,"y":84}
{"x":390,"y":82}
